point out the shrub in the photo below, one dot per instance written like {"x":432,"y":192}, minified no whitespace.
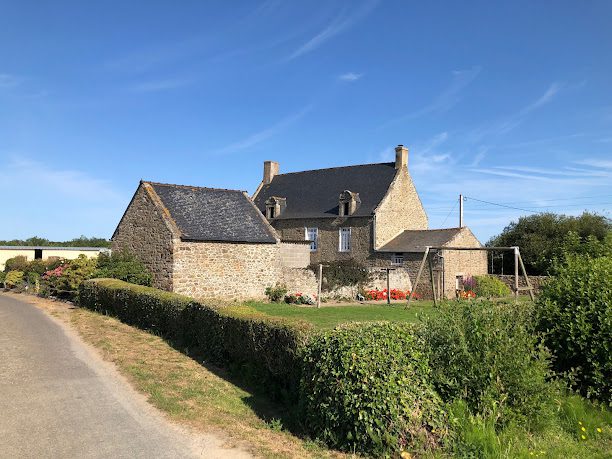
{"x":574,"y":312}
{"x":487,"y":355}
{"x":18,"y":263}
{"x":490,"y":287}
{"x":345,"y":273}
{"x":277,"y":293}
{"x":365,"y":387}
{"x":2,"y":277}
{"x":13,"y":279}
{"x":123,"y":266}
{"x":64,"y":281}
{"x":262,"y":349}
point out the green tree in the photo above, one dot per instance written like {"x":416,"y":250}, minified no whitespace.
{"x":544,"y":237}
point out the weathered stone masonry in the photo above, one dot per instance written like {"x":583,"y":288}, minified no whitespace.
{"x":143,"y":231}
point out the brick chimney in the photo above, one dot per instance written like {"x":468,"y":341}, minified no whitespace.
{"x":401,"y":157}
{"x":270,"y":170}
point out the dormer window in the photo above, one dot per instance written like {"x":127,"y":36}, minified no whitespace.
{"x":275,"y":206}
{"x":349,"y":202}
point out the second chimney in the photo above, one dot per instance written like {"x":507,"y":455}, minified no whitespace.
{"x":270,"y":170}
{"x":401,"y":157}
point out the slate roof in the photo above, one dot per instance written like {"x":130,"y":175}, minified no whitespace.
{"x":314,"y":194}
{"x":211,"y":214}
{"x":417,"y":240}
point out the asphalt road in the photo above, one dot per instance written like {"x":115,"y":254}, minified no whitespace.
{"x":58,"y":399}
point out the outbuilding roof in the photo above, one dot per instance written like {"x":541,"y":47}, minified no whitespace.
{"x":213,"y":214}
{"x":417,"y":240}
{"x":315,"y":193}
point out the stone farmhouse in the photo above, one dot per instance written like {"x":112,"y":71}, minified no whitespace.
{"x":209,"y":243}
{"x":371,"y":213}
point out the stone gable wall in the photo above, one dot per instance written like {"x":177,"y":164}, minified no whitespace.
{"x":329,"y":237}
{"x":143,"y":232}
{"x":224,"y":270}
{"x":458,"y":262}
{"x":400,"y":209}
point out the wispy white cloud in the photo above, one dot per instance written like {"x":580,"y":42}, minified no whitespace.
{"x":263,"y":135}
{"x":511,"y":122}
{"x":50,"y":181}
{"x":9,"y":81}
{"x":444,"y":101}
{"x":350,"y":76}
{"x":161,"y":85}
{"x":341,"y":23}
{"x":595,"y":162}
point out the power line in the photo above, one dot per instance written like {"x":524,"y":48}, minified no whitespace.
{"x":451,"y":211}
{"x":502,"y":205}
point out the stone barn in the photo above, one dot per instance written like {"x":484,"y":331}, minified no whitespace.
{"x":209,"y":243}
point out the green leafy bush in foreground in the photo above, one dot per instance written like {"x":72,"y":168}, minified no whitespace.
{"x":574,"y":312}
{"x":490,"y":287}
{"x":366,"y":388}
{"x":487,"y":355}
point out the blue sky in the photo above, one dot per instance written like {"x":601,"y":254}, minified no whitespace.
{"x":508,"y":103}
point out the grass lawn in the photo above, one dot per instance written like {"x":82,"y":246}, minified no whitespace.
{"x":330,"y":316}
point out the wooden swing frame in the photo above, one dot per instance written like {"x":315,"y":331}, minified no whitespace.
{"x":518,"y":261}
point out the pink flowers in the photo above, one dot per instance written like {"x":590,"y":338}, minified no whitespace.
{"x":57,"y":272}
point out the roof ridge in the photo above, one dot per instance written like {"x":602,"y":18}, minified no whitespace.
{"x":193,"y":186}
{"x":336,"y":167}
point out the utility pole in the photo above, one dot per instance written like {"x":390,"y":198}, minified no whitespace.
{"x":460,"y":211}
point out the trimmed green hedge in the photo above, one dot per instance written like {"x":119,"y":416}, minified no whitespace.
{"x":264,"y":350}
{"x":366,"y":388}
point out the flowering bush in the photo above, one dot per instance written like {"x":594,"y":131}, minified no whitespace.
{"x":395,"y":294}
{"x":466,"y":294}
{"x":299,"y":298}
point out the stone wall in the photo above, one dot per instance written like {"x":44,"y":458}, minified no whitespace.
{"x":329,"y":237}
{"x":536,"y":281}
{"x":229,"y":271}
{"x":299,"y":280}
{"x":143,"y":232}
{"x":398,"y":279}
{"x":294,"y":254}
{"x":400,"y":209}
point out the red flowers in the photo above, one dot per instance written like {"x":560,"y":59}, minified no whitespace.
{"x":466,"y":294}
{"x":395,"y":294}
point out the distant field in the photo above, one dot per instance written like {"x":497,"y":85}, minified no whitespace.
{"x":330,"y":316}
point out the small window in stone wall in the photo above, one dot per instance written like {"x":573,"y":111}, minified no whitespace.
{"x":345,"y":240}
{"x":312,"y":236}
{"x":397,"y":259}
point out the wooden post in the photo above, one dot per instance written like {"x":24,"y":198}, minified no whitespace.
{"x":531,"y":295}
{"x":388,"y":287}
{"x":416,"y":281}
{"x":319,"y":286}
{"x":433,"y":285}
{"x":516,"y":273}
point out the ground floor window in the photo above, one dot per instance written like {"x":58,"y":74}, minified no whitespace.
{"x":312,"y":235}
{"x":345,"y":240}
{"x":397,"y":259}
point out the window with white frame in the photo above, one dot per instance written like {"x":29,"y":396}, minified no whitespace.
{"x":345,"y":240}
{"x":397,"y":259}
{"x":312,"y":235}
